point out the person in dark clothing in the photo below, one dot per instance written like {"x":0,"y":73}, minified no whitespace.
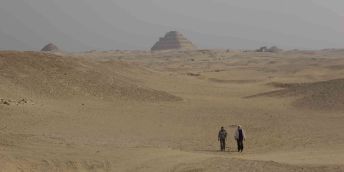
{"x":240,"y":137}
{"x":222,"y":137}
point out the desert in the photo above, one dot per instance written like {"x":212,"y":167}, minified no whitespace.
{"x":171,"y":86}
{"x":161,"y":111}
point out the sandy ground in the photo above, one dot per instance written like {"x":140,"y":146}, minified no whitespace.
{"x":137,"y":111}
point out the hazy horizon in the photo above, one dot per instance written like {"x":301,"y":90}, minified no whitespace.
{"x":122,"y":24}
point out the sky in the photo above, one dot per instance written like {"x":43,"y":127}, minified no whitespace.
{"x":82,"y":25}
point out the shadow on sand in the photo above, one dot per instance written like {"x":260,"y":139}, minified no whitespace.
{"x":216,"y":151}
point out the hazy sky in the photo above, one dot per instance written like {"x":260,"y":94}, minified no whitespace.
{"x":79,"y":25}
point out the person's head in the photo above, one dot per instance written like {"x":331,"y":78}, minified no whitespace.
{"x":222,"y":128}
{"x":239,"y":126}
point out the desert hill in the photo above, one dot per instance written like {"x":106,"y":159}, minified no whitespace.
{"x":323,"y":95}
{"x":56,"y":76}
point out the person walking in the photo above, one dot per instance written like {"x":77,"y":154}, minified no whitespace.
{"x":240,"y":138}
{"x":222,"y":137}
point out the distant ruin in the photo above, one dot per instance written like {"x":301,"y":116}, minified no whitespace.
{"x":272,"y":49}
{"x":173,"y":41}
{"x":50,"y":48}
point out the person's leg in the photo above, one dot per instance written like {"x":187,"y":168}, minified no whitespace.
{"x":224,"y":145}
{"x":238,"y":144}
{"x":220,"y":144}
{"x":221,"y":141}
{"x":241,"y":145}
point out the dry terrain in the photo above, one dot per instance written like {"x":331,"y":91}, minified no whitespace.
{"x":161,"y":111}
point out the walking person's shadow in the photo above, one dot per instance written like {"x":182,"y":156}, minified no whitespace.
{"x":227,"y":150}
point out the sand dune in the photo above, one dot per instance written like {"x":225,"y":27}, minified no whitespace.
{"x":55,"y":76}
{"x":324,"y":95}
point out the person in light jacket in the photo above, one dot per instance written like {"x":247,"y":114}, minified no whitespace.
{"x":239,"y":136}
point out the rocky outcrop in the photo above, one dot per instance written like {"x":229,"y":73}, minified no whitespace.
{"x":173,"y":41}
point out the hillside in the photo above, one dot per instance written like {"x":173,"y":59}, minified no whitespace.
{"x":323,"y":95}
{"x":48,"y":75}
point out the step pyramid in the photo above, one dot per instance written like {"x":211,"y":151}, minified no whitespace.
{"x":173,"y":40}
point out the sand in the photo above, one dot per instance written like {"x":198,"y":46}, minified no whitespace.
{"x":143,"y":111}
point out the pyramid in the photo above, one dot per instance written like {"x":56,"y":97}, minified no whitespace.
{"x":173,"y":41}
{"x":50,"y":47}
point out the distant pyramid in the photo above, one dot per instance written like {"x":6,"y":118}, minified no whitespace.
{"x":173,"y":41}
{"x":50,"y":47}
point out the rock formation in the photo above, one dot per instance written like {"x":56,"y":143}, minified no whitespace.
{"x":173,"y":41}
{"x":51,"y":48}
